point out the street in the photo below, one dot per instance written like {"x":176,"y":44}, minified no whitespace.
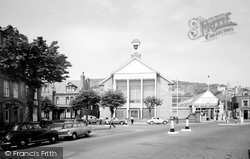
{"x":206,"y":141}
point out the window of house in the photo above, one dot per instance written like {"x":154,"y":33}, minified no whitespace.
{"x":245,"y":102}
{"x":122,"y":86}
{"x":22,"y":90}
{"x":70,"y":88}
{"x":15,"y":90}
{"x":67,"y":100}
{"x":45,"y":88}
{"x":68,"y":110}
{"x":71,"y":99}
{"x":6,"y":89}
{"x":7,"y":113}
{"x":57,"y":100}
{"x":135,"y":91}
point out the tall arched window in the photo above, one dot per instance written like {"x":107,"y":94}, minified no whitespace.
{"x":67,"y":100}
{"x":71,"y":99}
{"x":57,"y":100}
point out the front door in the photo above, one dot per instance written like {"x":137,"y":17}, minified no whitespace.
{"x":245,"y":114}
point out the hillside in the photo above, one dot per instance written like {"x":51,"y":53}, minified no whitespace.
{"x":194,"y":88}
{"x":188,"y":88}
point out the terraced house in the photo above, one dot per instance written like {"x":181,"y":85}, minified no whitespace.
{"x":242,"y":101}
{"x":12,"y":94}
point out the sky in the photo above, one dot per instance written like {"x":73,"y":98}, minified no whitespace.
{"x":96,"y":36}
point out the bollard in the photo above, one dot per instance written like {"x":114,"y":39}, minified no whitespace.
{"x":187,"y":125}
{"x":172,"y":131}
{"x":172,"y":126}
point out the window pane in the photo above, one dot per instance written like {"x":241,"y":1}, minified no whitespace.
{"x":6,"y":88}
{"x":7,"y":115}
{"x":67,"y":100}
{"x":15,"y":90}
{"x":148,"y":88}
{"x":135,"y":91}
{"x":122,"y":86}
{"x":57,"y":100}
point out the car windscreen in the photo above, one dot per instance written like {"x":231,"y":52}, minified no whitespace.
{"x":36,"y":126}
{"x":65,"y":126}
{"x":15,"y":128}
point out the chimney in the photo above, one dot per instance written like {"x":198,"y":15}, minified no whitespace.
{"x":136,"y":48}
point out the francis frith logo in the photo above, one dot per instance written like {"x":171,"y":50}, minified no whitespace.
{"x":211,"y":28}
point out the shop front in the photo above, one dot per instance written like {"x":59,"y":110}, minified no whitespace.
{"x":208,"y":112}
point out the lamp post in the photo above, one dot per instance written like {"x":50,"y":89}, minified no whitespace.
{"x":177,"y":100}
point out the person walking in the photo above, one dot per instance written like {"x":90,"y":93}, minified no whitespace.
{"x":111,"y":123}
{"x":132,"y":120}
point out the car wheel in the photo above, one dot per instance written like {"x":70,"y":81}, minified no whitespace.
{"x":6,"y":147}
{"x":22,"y":143}
{"x":52,"y":139}
{"x":74,"y":136}
{"x":121,"y":122}
{"x":165,"y":122}
{"x":151,"y":122}
{"x":88,"y":133}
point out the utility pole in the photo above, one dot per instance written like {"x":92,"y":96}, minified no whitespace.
{"x":177,"y":99}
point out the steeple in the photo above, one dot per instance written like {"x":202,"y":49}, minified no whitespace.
{"x":136,"y":48}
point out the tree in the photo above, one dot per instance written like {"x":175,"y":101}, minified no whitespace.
{"x":33,"y":63}
{"x":86,"y":99}
{"x":151,"y":102}
{"x":113,"y":99}
{"x":47,"y":106}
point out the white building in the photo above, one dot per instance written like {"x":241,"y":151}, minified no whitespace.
{"x":137,"y":80}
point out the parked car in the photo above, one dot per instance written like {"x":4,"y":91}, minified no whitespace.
{"x":45,"y":123}
{"x":115,"y":121}
{"x":28,"y":132}
{"x":74,"y":130}
{"x":157,"y":120}
{"x":5,"y":129}
{"x":118,"y":121}
{"x":92,"y":119}
{"x":46,"y":120}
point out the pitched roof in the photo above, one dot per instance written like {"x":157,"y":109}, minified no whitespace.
{"x":60,"y":87}
{"x":129,"y":61}
{"x":193,"y":100}
{"x":189,"y":101}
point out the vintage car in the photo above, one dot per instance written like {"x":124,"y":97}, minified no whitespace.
{"x":45,"y":123}
{"x":74,"y":130}
{"x":157,"y":120}
{"x":92,"y":119}
{"x":5,"y":129}
{"x":28,"y":132}
{"x":115,"y":121}
{"x":118,"y":121}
